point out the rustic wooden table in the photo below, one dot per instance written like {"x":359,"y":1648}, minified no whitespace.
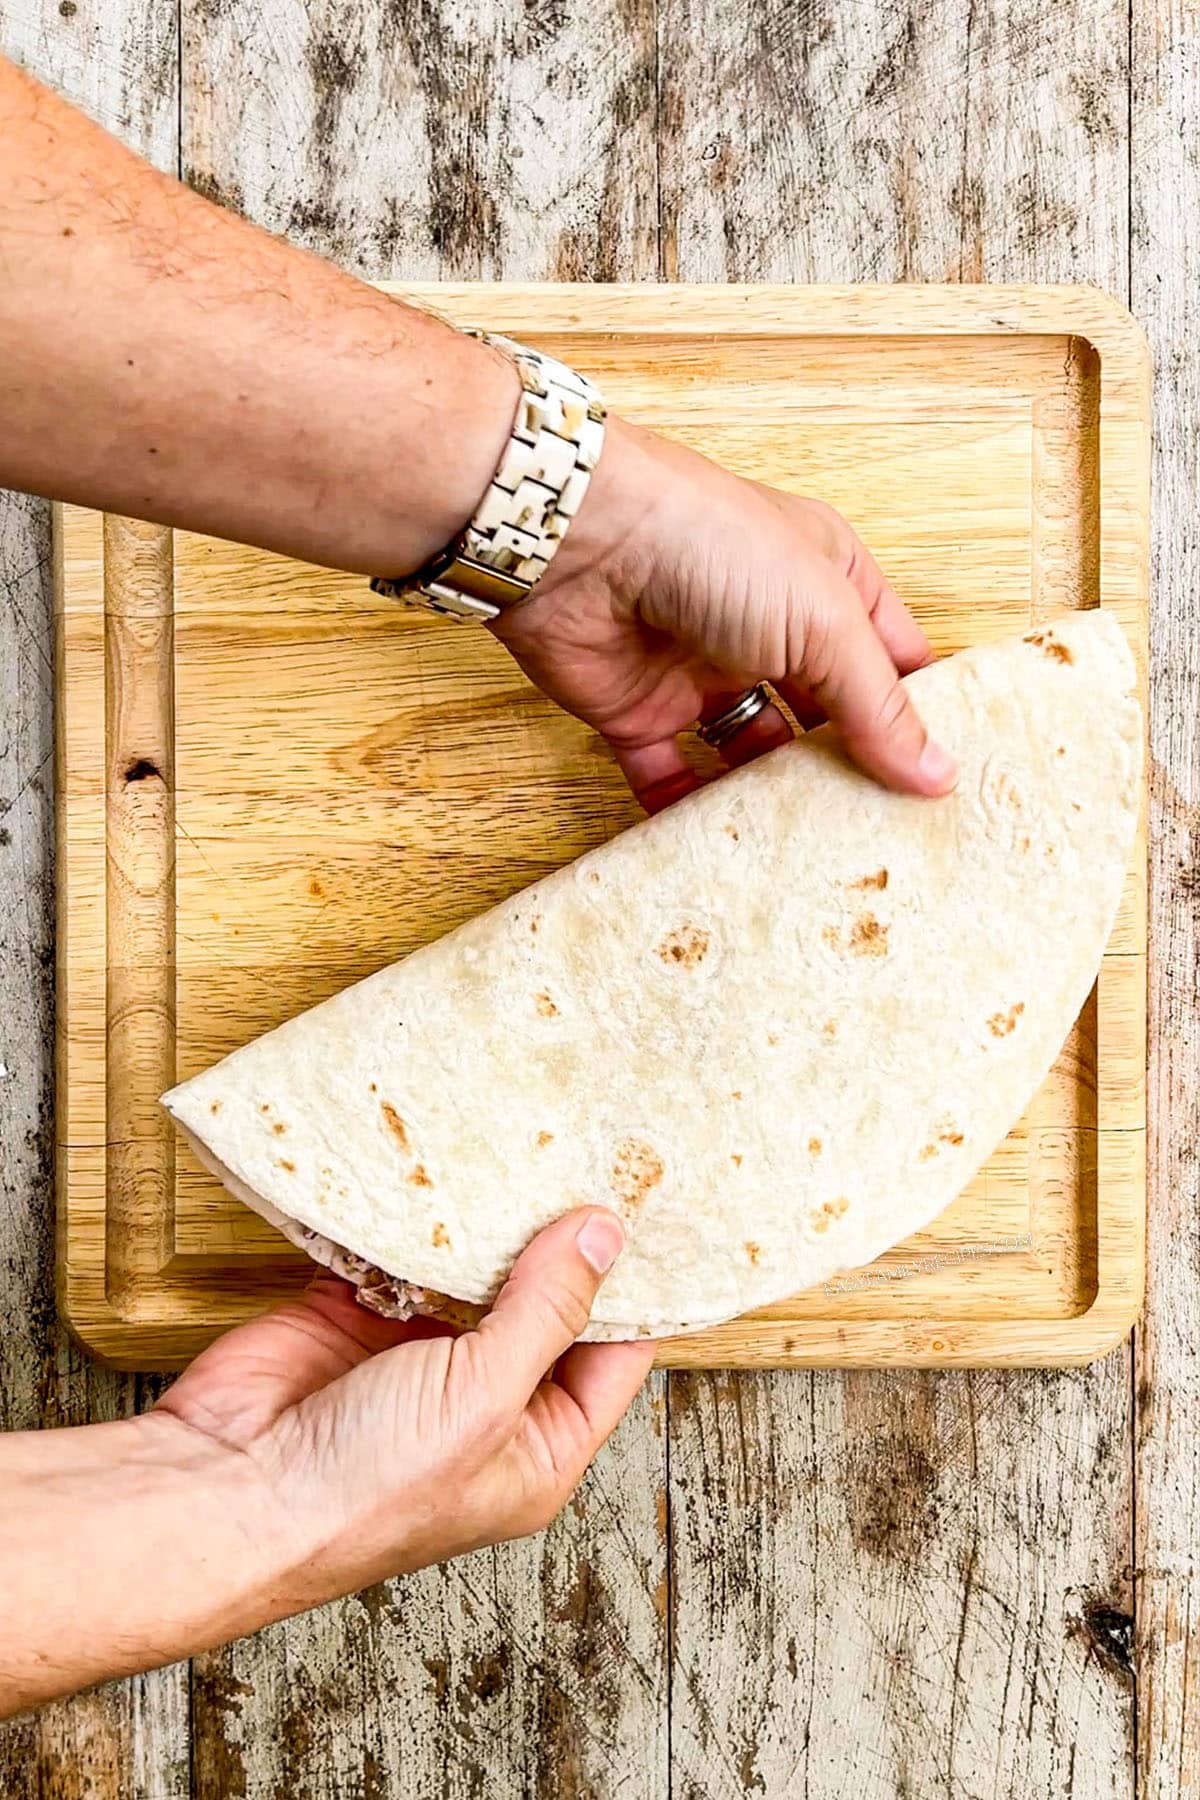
{"x":886,"y":1585}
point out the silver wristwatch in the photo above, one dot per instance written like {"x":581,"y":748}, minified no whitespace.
{"x":535,"y":493}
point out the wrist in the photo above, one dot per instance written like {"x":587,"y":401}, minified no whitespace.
{"x":612,"y":538}
{"x":468,"y":419}
{"x":239,"y":1552}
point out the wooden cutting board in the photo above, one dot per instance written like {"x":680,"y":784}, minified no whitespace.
{"x":271,"y":783}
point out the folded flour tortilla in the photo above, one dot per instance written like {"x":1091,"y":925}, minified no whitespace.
{"x":778,"y":1027}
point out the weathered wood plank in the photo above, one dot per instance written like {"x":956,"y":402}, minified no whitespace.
{"x":816,"y":148}
{"x":1166,"y":211}
{"x":500,"y":140}
{"x":532,"y":1670}
{"x":432,"y":140}
{"x":129,"y":1738}
{"x":922,"y":1584}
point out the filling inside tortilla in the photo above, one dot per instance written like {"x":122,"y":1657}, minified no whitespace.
{"x":388,"y":1295}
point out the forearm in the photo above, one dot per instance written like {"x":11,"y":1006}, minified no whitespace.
{"x":124,"y":1546}
{"x":161,"y":357}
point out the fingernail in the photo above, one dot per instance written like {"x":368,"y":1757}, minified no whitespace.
{"x":937,"y":766}
{"x":601,"y":1240}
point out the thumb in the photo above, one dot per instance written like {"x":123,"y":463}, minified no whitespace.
{"x":546,"y":1301}
{"x":859,"y":689}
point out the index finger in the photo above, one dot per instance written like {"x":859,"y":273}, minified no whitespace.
{"x":851,"y":675}
{"x":899,"y":632}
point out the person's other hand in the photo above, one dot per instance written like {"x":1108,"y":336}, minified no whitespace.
{"x":383,"y":1446}
{"x":679,"y":585}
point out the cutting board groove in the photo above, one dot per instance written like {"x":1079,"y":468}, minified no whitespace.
{"x":270,"y":783}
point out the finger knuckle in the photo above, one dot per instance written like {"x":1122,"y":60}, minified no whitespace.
{"x":566,"y":1309}
{"x":813,"y":652}
{"x":893,"y":710}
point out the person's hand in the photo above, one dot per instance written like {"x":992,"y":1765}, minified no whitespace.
{"x":680,"y":585}
{"x":381,"y":1447}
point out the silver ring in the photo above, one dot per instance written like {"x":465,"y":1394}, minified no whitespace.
{"x":718,"y":731}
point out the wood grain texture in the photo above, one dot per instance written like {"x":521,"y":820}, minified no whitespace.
{"x":922,"y":1564}
{"x":139,"y":905}
{"x":436,"y":140}
{"x":433,"y":141}
{"x":1166,"y":98}
{"x":118,"y":59}
{"x":534,"y":1669}
{"x":357,"y":730}
{"x":970,"y":1535}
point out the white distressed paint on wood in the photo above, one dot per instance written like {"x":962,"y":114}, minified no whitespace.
{"x":500,"y":140}
{"x":923,"y":1587}
{"x":433,"y":140}
{"x":798,"y":143}
{"x":117,"y":59}
{"x":532,"y":1669}
{"x":1166,"y":106}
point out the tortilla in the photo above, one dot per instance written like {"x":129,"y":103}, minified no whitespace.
{"x":778,"y":1027}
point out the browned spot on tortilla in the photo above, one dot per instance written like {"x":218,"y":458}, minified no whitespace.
{"x":1002,"y":790}
{"x":1061,"y":750}
{"x":950,"y":1136}
{"x":1001,"y":1024}
{"x":736,"y":1094}
{"x":752,"y":1251}
{"x":264,"y":1106}
{"x":279,"y":1128}
{"x":289,"y":1166}
{"x":1024,"y":841}
{"x":395,"y":1124}
{"x":544,"y":1138}
{"x":636,"y":1169}
{"x":215,"y":1107}
{"x":687,"y":946}
{"x":831,"y":935}
{"x":736,"y":1158}
{"x":440,"y":1235}
{"x":419,"y":1178}
{"x":827,"y":1211}
{"x":869,"y":937}
{"x":814,"y":1146}
{"x":374,"y":1087}
{"x":878,"y":880}
{"x":1075,"y":806}
{"x":546,"y":1006}
{"x":315,"y":889}
{"x":535,"y":924}
{"x":928,"y":1152}
{"x":829,"y":1030}
{"x":592,"y":875}
{"x":772,"y":1038}
{"x":1052,"y":646}
{"x":731,"y":831}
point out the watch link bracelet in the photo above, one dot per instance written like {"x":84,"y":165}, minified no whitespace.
{"x":556,"y":441}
